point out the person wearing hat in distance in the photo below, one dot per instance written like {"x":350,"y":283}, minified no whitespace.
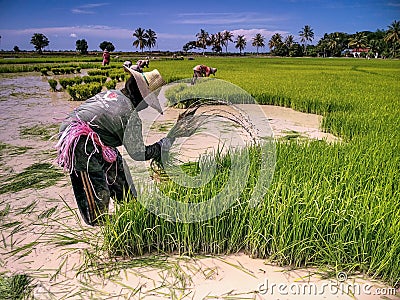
{"x":202,"y":71}
{"x":106,"y":57}
{"x":90,"y":135}
{"x":140,"y":65}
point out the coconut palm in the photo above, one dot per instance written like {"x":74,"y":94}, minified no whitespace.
{"x":226,"y":38}
{"x":240,"y":43}
{"x":338,"y":41}
{"x":289,"y":41}
{"x":202,"y":39}
{"x":151,"y":38}
{"x":258,"y":41}
{"x":306,"y":35}
{"x":275,"y":41}
{"x":216,"y":41}
{"x":358,"y":41}
{"x":393,"y":34}
{"x":141,"y":38}
{"x":376,"y":46}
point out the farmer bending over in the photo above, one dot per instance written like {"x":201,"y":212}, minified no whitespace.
{"x":140,"y":65}
{"x":202,"y":71}
{"x":90,"y":134}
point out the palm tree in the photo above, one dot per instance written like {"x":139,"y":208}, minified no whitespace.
{"x":226,"y":38}
{"x":306,"y":34}
{"x":336,"y":42}
{"x":240,"y":43}
{"x":289,"y":41}
{"x":258,"y":41}
{"x":333,"y":43}
{"x":151,"y":38}
{"x":358,"y":41}
{"x":275,"y":41}
{"x":141,"y":38}
{"x":393,"y":34}
{"x":376,"y":46}
{"x":216,"y":41}
{"x":202,"y":39}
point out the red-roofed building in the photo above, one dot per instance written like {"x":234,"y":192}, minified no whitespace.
{"x":357,"y":51}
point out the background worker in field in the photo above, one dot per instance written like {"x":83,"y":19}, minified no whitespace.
{"x":140,"y":65}
{"x":202,"y":71}
{"x":106,"y":57}
{"x":90,"y":134}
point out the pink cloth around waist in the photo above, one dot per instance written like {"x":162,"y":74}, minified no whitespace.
{"x":69,"y":139}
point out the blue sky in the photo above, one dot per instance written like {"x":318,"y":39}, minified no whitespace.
{"x":175,"y":23}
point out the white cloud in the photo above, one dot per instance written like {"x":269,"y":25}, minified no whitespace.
{"x":224,"y":18}
{"x":83,"y":9}
{"x":93,"y":5}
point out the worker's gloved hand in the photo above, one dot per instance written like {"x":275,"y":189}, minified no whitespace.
{"x":166,"y":143}
{"x":162,"y":155}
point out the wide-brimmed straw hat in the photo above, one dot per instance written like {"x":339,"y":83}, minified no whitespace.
{"x":148,"y":82}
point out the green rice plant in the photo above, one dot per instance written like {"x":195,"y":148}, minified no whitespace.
{"x":134,"y":230}
{"x":98,"y":72}
{"x":69,"y":70}
{"x":330,"y":205}
{"x":44,"y":131}
{"x":16,"y":68}
{"x":334,"y":206}
{"x":57,"y":59}
{"x":44,"y":71}
{"x":209,"y":89}
{"x":98,"y":78}
{"x":110,"y":85}
{"x":118,"y":75}
{"x":36,"y":176}
{"x":65,"y":82}
{"x":56,"y":71}
{"x":16,"y":287}
{"x":11,"y":150}
{"x":84,"y":92}
{"x":53,"y":84}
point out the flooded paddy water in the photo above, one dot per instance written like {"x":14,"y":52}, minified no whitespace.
{"x":42,"y":235}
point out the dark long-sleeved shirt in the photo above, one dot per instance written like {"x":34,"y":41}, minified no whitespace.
{"x":112,"y":116}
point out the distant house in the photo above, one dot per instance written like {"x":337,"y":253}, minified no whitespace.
{"x":356,"y":52}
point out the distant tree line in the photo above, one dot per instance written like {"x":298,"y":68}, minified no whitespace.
{"x":386,"y":43}
{"x":143,"y":39}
